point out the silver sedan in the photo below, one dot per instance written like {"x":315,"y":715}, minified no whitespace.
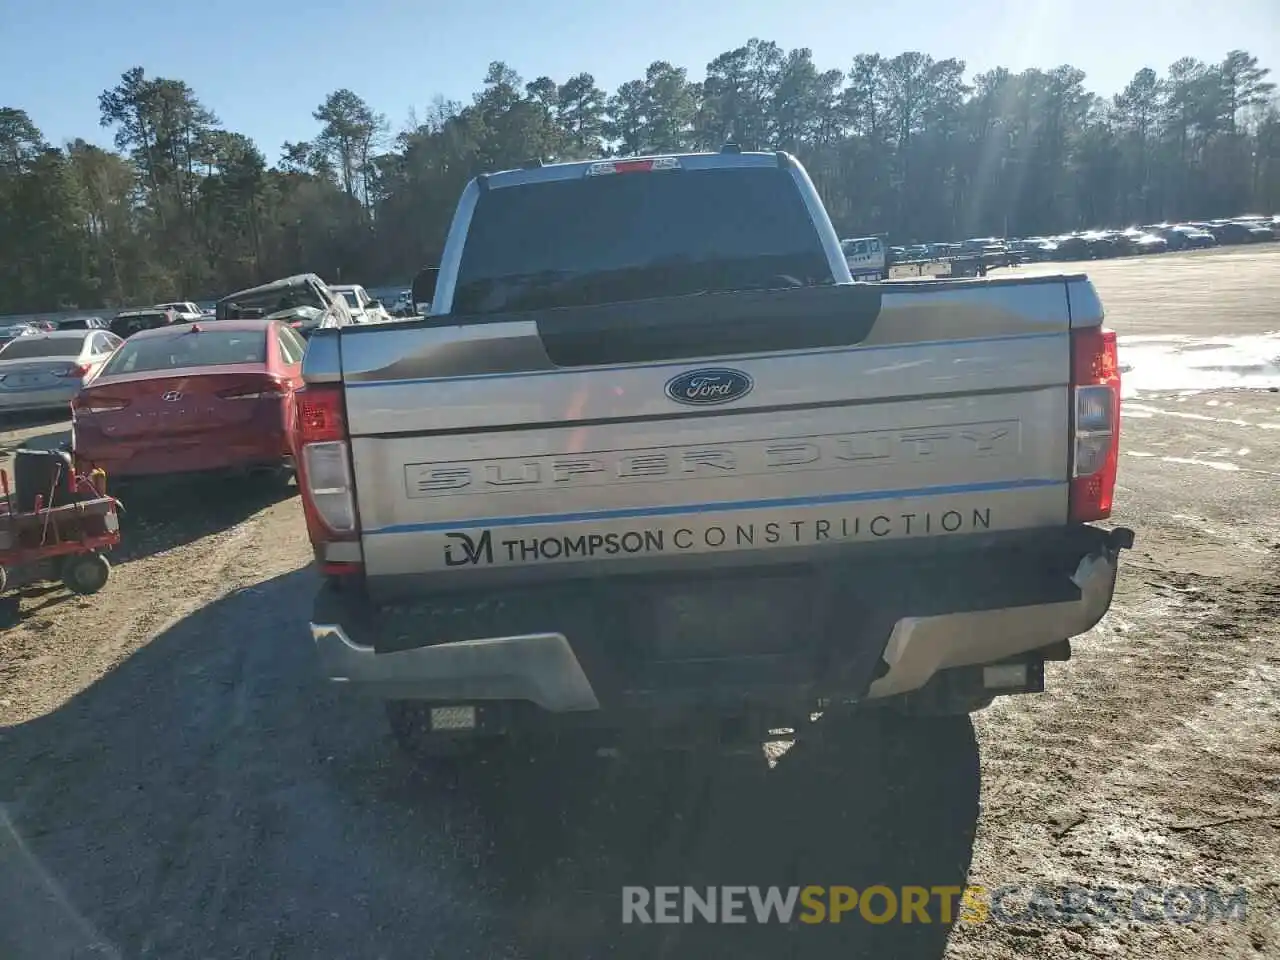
{"x":44,"y":371}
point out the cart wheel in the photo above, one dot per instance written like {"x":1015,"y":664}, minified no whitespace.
{"x":86,"y":573}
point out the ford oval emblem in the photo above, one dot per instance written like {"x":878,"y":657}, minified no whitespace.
{"x":704,"y":388}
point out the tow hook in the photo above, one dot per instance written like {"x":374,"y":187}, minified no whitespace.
{"x":1121,"y":538}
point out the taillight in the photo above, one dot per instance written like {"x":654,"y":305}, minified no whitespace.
{"x":605,"y":167}
{"x":321,"y":417}
{"x":324,"y":464}
{"x":1095,"y":423}
{"x":79,"y":370}
{"x":91,"y":404}
{"x":255,"y":390}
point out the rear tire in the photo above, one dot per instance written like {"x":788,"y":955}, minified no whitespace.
{"x":281,"y":480}
{"x":889,"y":729}
{"x":86,"y":574}
{"x":273,"y":481}
{"x":10,"y":611}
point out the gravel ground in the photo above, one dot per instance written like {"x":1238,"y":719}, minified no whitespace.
{"x":175,"y":783}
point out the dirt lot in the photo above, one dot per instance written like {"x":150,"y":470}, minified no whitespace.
{"x":175,"y":783}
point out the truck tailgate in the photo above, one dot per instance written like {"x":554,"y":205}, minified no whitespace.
{"x":523,"y":446}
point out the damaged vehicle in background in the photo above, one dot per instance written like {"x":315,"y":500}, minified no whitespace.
{"x":304,"y":302}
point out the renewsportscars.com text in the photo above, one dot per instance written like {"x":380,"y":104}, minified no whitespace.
{"x":878,"y":904}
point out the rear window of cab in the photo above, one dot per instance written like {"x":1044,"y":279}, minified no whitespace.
{"x":191,"y":348}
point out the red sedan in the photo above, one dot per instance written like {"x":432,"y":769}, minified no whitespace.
{"x":192,"y":398}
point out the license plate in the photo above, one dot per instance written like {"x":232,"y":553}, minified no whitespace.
{"x":733,"y":617}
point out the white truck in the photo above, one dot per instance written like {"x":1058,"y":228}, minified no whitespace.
{"x":867,"y":258}
{"x":184,"y":311}
{"x":363,"y":308}
{"x":666,"y":470}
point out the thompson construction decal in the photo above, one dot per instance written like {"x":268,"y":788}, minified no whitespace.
{"x":483,"y":547}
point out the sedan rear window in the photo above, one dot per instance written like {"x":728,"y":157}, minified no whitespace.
{"x":205,"y":348}
{"x":27,"y":348}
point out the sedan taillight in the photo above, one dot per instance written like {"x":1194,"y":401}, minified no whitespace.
{"x":255,"y":391}
{"x":91,"y":404}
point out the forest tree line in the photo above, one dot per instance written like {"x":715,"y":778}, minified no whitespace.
{"x":185,"y":208}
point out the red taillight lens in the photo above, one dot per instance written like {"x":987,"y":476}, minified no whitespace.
{"x":255,"y":390}
{"x":79,"y":370}
{"x":88,"y":403}
{"x":1093,"y":357}
{"x":1095,"y":423}
{"x":321,"y":417}
{"x":324,"y":464}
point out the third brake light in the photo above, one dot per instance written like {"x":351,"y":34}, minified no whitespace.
{"x":632,"y":166}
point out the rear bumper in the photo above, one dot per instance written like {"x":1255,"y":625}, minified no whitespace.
{"x":19,"y":401}
{"x":208,"y":454}
{"x":874,"y":641}
{"x":539,"y":668}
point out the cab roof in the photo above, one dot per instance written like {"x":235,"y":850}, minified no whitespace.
{"x":577,"y":169}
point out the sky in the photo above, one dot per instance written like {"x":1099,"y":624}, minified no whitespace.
{"x":264,"y":65}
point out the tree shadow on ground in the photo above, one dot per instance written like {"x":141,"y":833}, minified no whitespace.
{"x":210,"y":796}
{"x":154,"y":518}
{"x":161,"y":513}
{"x":896,"y":808}
{"x":51,"y":439}
{"x":167,"y":512}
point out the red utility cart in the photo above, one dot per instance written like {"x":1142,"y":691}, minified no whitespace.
{"x":55,"y":524}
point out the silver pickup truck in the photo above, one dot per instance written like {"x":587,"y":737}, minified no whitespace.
{"x":654,"y":463}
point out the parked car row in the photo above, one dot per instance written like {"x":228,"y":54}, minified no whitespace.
{"x":172,"y":388}
{"x":304,"y":300}
{"x":29,"y":328}
{"x":1147,"y":239}
{"x":1099,"y":244}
